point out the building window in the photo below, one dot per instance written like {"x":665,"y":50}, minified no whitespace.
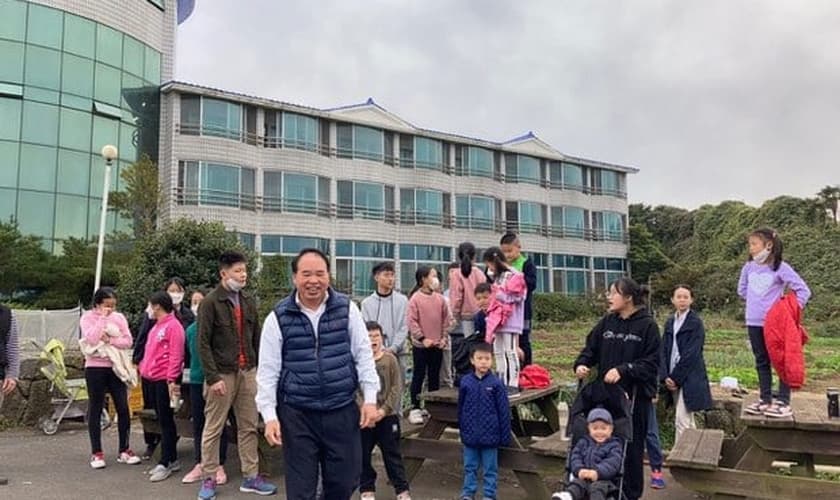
{"x":525,"y":217}
{"x":609,"y":226}
{"x":474,"y":161}
{"x":290,"y":246}
{"x":476,"y":212}
{"x":414,"y":256}
{"x":291,"y":130}
{"x":354,"y":263}
{"x":365,"y":200}
{"x":543,"y":271}
{"x":607,"y":270}
{"x":421,"y":152}
{"x":523,"y":169}
{"x":248,"y":240}
{"x":568,"y":222}
{"x":296,"y":193}
{"x":206,"y":183}
{"x":221,"y":118}
{"x":423,"y":206}
{"x":570,"y":274}
{"x":608,"y":182}
{"x":356,"y":141}
{"x":573,"y":177}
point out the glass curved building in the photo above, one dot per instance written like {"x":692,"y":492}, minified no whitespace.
{"x":74,"y":76}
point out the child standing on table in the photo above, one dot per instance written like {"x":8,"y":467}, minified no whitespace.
{"x":595,"y":460}
{"x":763,"y":281}
{"x":386,"y":433}
{"x":484,"y":421}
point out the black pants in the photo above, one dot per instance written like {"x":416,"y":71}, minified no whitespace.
{"x":328,"y":440}
{"x":763,"y":367}
{"x":525,"y":345}
{"x":427,"y":362}
{"x":386,"y":434}
{"x":150,"y":438}
{"x":166,"y":420}
{"x":598,"y":490}
{"x":634,"y":480}
{"x":99,"y":381}
{"x":197,"y":402}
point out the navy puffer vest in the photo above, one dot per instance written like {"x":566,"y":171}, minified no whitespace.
{"x":318,"y":371}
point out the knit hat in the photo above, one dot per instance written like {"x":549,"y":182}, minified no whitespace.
{"x":599,"y":414}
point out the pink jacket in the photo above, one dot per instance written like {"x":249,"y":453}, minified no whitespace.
{"x":462,"y":293}
{"x":506,"y":312}
{"x":164,"y":355}
{"x":93,"y":325}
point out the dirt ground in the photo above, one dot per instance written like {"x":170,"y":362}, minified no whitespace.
{"x":56,"y":467}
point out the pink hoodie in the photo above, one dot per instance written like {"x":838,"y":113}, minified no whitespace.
{"x":164,"y":355}
{"x":93,"y":325}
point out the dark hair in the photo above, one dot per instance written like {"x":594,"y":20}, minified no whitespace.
{"x":628,"y":287}
{"x":175,"y":281}
{"x":483,"y":288}
{"x":419,"y":275}
{"x":466,"y":256}
{"x":769,"y":235}
{"x":230,"y":258}
{"x":452,"y":265}
{"x":509,"y":238}
{"x":495,"y":256}
{"x":481,"y":347}
{"x":162,"y":299}
{"x":373,"y":325}
{"x":105,"y":292}
{"x":306,"y":251}
{"x":686,"y":287}
{"x":378,"y":268}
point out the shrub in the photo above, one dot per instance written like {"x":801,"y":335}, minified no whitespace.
{"x":558,"y":308}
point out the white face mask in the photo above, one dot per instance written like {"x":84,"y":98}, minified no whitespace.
{"x":194,"y":309}
{"x":761,"y":257}
{"x":435,"y":284}
{"x":150,"y":313}
{"x":176,"y":297}
{"x":233,"y":285}
{"x":490,"y":274}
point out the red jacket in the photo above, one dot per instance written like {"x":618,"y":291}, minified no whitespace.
{"x":785,"y":337}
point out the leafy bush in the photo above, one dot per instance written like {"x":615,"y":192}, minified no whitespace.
{"x":558,"y":308}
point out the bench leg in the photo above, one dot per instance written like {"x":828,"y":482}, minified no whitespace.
{"x":432,"y":430}
{"x":756,"y":459}
{"x":531,"y":482}
{"x":804,"y":467}
{"x":548,"y":410}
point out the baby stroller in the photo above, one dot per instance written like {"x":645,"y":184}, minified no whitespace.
{"x":461,"y":353}
{"x":71,"y":396}
{"x":615,"y":400}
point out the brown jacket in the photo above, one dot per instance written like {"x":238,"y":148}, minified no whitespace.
{"x":218,"y":341}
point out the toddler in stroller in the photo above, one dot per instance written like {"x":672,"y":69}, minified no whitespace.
{"x":600,"y":426}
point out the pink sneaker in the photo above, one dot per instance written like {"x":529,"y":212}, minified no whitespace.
{"x":221,"y":477}
{"x":194,"y":475}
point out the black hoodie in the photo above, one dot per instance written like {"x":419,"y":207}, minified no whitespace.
{"x":631,"y":345}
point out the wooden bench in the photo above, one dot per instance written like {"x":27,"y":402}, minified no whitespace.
{"x":556,"y":445}
{"x":697,"y":449}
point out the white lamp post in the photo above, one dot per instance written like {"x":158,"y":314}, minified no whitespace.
{"x":109,"y":154}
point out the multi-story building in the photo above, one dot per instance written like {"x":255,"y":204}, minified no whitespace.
{"x":76,"y":75}
{"x":365,"y":185}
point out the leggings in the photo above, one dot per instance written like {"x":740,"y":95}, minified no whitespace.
{"x":99,"y":381}
{"x":427,"y":361}
{"x":507,"y":361}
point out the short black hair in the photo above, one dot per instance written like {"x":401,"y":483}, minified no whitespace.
{"x":684,"y":287}
{"x":162,"y":299}
{"x":373,"y":325}
{"x":481,"y":347}
{"x":381,"y":267}
{"x":230,"y":258}
{"x":174,"y":281}
{"x":106,"y":292}
{"x":306,"y":251}
{"x":509,"y":238}
{"x":482,"y":288}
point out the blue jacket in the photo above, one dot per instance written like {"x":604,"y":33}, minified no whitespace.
{"x":690,"y":372}
{"x":604,"y":458}
{"x":318,"y":370}
{"x":483,"y":412}
{"x":479,"y":324}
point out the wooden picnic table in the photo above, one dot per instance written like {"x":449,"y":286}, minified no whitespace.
{"x":742,"y":468}
{"x":529,"y":468}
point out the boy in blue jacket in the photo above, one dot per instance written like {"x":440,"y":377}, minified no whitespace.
{"x":595,"y":462}
{"x":484,"y":421}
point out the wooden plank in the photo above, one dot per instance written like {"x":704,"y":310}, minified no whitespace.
{"x":753,"y":484}
{"x":797,"y":441}
{"x":756,"y":459}
{"x":707,"y":452}
{"x":552,"y":446}
{"x":531,"y":481}
{"x":431,"y":431}
{"x":536,"y":428}
{"x":443,"y":411}
{"x":450,"y":395}
{"x":549,"y":411}
{"x":734,"y":449}
{"x":762,"y":421}
{"x":682,"y":452}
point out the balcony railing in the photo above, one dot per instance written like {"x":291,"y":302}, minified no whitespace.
{"x":223,"y":132}
{"x":415,"y":217}
{"x":479,"y":223}
{"x":526,"y":227}
{"x":344,"y":211}
{"x":214,"y":197}
{"x":296,"y":205}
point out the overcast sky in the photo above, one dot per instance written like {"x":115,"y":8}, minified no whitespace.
{"x":712,"y":99}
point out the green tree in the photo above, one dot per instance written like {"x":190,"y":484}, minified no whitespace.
{"x":25,"y":264}
{"x":141,"y":198}
{"x":645,"y":253}
{"x":829,"y":198}
{"x":273,"y":282}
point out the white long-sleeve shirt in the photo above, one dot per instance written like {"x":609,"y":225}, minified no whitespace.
{"x":271,"y":357}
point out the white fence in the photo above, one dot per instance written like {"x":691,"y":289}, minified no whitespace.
{"x":41,"y":326}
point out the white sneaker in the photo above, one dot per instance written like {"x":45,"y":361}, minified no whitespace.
{"x":159,"y":473}
{"x":97,"y":460}
{"x":562,"y":495}
{"x":415,"y":416}
{"x":404,"y":496}
{"x":175,"y":466}
{"x":368,"y":495}
{"x":128,"y":457}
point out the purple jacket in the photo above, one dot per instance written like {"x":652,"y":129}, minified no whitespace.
{"x":761,"y":287}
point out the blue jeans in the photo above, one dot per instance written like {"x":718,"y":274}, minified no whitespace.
{"x":762,"y":366}
{"x":489,"y":459}
{"x":654,"y":448}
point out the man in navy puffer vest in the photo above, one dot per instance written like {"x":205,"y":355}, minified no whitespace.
{"x":314,"y":356}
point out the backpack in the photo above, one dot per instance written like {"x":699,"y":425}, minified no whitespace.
{"x":534,"y":377}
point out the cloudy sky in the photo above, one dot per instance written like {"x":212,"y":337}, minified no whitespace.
{"x":712,"y":100}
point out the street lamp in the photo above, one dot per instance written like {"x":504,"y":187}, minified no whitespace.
{"x":109,"y":154}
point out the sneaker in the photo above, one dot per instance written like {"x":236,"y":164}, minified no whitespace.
{"x":405,"y":495}
{"x":757,"y":408}
{"x":128,"y":457}
{"x":415,"y":416}
{"x":778,"y":410}
{"x":175,"y":466}
{"x":159,"y":473}
{"x":368,"y":495}
{"x":657,"y":482}
{"x":193,"y":476}
{"x":97,"y":460}
{"x":513,"y":392}
{"x":258,"y":485}
{"x":562,"y":495}
{"x":147,"y":455}
{"x":221,"y":477}
{"x":208,"y":489}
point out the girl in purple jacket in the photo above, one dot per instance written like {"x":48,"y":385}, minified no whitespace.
{"x":764,"y":279}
